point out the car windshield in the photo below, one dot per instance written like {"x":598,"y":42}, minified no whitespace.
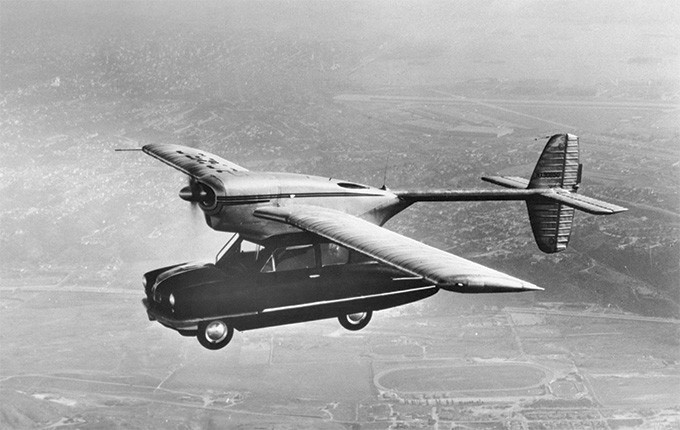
{"x":238,"y":254}
{"x":232,"y":243}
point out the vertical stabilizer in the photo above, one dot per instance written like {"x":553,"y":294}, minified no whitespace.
{"x":558,"y":167}
{"x":551,"y":223}
{"x":553,"y":194}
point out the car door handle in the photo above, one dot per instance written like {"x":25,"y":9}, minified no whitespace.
{"x":314,"y":276}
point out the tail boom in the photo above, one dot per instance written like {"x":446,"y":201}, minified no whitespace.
{"x":550,"y":195}
{"x":466,"y":195}
{"x":555,"y":195}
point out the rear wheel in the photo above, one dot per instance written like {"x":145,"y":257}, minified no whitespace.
{"x":214,"y":334}
{"x":355,"y":321}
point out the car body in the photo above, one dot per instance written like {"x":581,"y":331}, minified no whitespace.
{"x":277,"y":282}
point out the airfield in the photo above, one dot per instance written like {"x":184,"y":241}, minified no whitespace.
{"x":412,"y":99}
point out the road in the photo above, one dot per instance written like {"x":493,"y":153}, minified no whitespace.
{"x":72,"y":289}
{"x":458,"y":100}
{"x":629,"y":317}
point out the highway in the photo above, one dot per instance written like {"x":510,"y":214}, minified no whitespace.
{"x":630,"y":317}
{"x":460,"y":100}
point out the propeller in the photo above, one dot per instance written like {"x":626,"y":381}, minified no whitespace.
{"x":197,"y":193}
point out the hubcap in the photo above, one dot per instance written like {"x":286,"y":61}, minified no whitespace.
{"x":356,"y":318}
{"x":216,"y":331}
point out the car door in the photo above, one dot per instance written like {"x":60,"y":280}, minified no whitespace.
{"x":289,"y":277}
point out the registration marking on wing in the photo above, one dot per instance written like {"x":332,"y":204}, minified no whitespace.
{"x":348,"y":299}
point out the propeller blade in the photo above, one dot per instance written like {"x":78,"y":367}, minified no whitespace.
{"x":195,"y":212}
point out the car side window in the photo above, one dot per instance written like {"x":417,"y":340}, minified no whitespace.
{"x":290,"y":258}
{"x":359,"y":258}
{"x":333,"y":254}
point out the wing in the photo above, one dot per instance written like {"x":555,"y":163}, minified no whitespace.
{"x":444,"y":270}
{"x":193,"y":162}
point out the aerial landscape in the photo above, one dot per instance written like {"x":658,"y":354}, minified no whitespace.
{"x":410,"y":95}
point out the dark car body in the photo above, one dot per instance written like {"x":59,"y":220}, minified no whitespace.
{"x":278,"y":282}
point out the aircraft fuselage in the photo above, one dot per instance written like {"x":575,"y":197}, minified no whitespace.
{"x":237,"y":198}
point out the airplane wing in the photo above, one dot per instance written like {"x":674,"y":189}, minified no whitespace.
{"x":443,"y":269}
{"x":191,"y":161}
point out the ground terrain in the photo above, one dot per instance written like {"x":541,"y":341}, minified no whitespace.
{"x":376,"y":93}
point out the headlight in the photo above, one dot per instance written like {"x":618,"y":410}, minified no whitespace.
{"x":171,"y":299}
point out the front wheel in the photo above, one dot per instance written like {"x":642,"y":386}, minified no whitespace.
{"x":214,"y":334}
{"x":355,"y":321}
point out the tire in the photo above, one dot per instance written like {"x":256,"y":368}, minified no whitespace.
{"x":355,"y":321}
{"x":214,"y":334}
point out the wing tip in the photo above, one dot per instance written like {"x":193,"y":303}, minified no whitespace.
{"x":490,"y":284}
{"x":531,"y":287}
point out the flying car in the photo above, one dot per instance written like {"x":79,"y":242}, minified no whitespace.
{"x":307,"y":248}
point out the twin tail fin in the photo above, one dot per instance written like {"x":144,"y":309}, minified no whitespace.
{"x":555,"y":182}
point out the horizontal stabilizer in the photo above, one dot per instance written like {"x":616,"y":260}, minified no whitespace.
{"x":507,"y":181}
{"x":581,"y":202}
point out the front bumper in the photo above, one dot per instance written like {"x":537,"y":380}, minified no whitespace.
{"x":168,"y":321}
{"x":188,"y":324}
